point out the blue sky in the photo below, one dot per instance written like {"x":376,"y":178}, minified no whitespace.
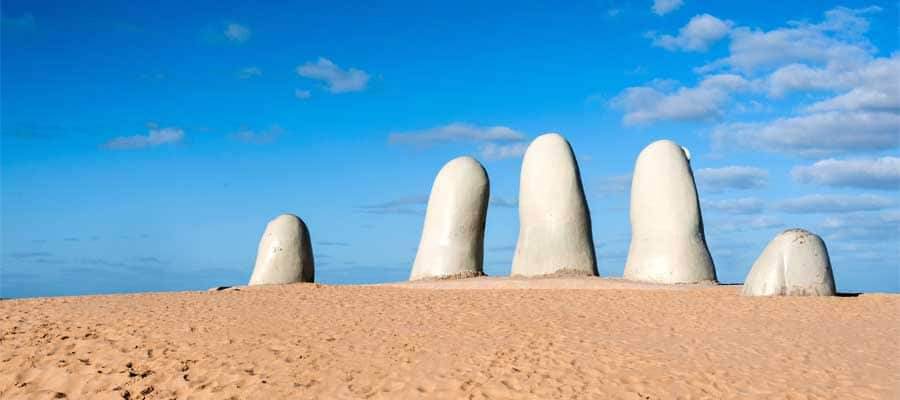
{"x":145,"y":148}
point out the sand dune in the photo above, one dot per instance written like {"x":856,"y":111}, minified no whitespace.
{"x":573,"y":338}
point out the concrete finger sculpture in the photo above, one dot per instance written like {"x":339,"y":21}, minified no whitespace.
{"x":667,"y":239}
{"x":794,"y":263}
{"x":554,"y":221}
{"x":452,"y":243}
{"x":284,"y":254}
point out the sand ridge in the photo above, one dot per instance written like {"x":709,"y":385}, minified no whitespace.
{"x":318,"y":341}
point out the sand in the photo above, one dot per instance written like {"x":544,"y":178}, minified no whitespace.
{"x":557,"y":338}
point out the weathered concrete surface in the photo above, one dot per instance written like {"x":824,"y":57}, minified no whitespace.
{"x":452,"y":243}
{"x":667,"y":239}
{"x":794,"y":263}
{"x":284,"y":254}
{"x":554,"y":221}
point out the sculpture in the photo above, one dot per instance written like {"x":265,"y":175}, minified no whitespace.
{"x":452,"y":243}
{"x":284,"y":254}
{"x":554,"y":222}
{"x":667,"y":238}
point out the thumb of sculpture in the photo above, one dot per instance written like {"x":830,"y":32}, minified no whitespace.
{"x":284,"y":254}
{"x":452,"y":243}
{"x":794,"y":263}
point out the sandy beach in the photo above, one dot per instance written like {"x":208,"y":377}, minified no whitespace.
{"x":484,"y":338}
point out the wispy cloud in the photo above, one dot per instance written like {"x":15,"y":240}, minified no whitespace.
{"x":716,"y":180}
{"x":249,"y":72}
{"x":699,"y":34}
{"x":612,"y":184}
{"x":248,"y":135}
{"x":658,"y":101}
{"x":332,"y":243}
{"x":822,"y":203}
{"x":814,"y":135}
{"x":405,"y":205}
{"x":496,"y":151}
{"x":497,"y":201}
{"x":878,"y":173}
{"x":746,"y":205}
{"x":338,"y":80}
{"x":237,"y":33}
{"x":663,"y":7}
{"x":885,"y":225}
{"x":750,"y":223}
{"x":156,"y":137}
{"x":456,"y":132}
{"x":30,"y":254}
{"x":302,"y":94}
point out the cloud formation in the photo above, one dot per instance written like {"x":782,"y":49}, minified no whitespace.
{"x":647,"y":104}
{"x":497,"y":201}
{"x":747,"y":205}
{"x":612,"y":184}
{"x":867,"y":226}
{"x":156,"y":137}
{"x":405,"y":205}
{"x":249,"y":72}
{"x":699,"y":34}
{"x":834,"y":203}
{"x":456,"y":132}
{"x":237,"y":33}
{"x":877,"y":173}
{"x":813,"y":135}
{"x":248,"y":135}
{"x":338,"y":80}
{"x":663,"y":7}
{"x":495,"y":151}
{"x":732,"y":177}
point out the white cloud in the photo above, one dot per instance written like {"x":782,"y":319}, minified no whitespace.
{"x":237,"y":33}
{"x":821,"y":203}
{"x":743,"y":224}
{"x":647,"y":104}
{"x":248,"y":135}
{"x":700,"y":32}
{"x":156,"y":137}
{"x":457,"y":132}
{"x":732,"y":177}
{"x":497,"y":201}
{"x":814,"y":135}
{"x":838,"y":75}
{"x":495,"y":151}
{"x":249,"y":72}
{"x":838,"y":37}
{"x":860,"y":99}
{"x":302,"y":94}
{"x":878,"y":173}
{"x":735,"y":206}
{"x":338,"y":80}
{"x":663,"y":7}
{"x":880,"y":227}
